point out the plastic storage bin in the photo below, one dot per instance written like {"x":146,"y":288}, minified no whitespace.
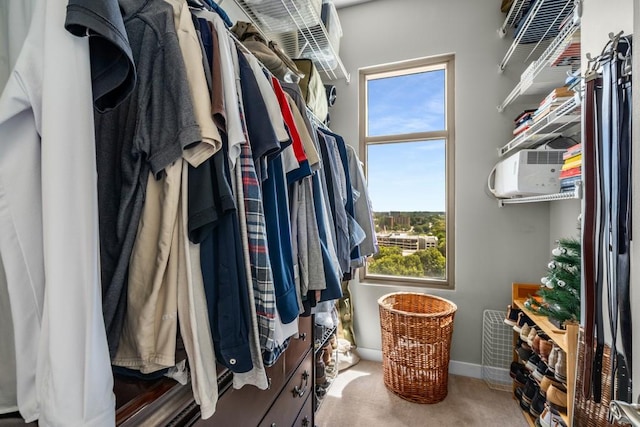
{"x":416,"y":343}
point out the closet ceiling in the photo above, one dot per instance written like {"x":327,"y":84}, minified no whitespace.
{"x":345,"y":3}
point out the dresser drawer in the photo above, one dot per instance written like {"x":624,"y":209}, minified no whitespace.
{"x":247,"y":406}
{"x":305,"y":417}
{"x":298,"y":347}
{"x":293,"y":396}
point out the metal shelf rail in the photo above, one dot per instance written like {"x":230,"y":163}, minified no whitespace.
{"x":549,"y":127}
{"x":296,"y":26}
{"x":535,"y":30}
{"x":534,"y":80}
{"x":575,"y":194}
{"x":516,"y":11}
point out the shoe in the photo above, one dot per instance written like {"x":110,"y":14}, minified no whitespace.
{"x":549,"y":380}
{"x":321,"y":377}
{"x":553,"y":358}
{"x":521,"y":378}
{"x":515,"y":368}
{"x":560,"y":371}
{"x":541,"y":370}
{"x":518,"y":392}
{"x":537,"y":405}
{"x":546,"y":346}
{"x":512,"y":315}
{"x":523,"y":354}
{"x":327,"y":355}
{"x":535,"y":346}
{"x":556,"y":398}
{"x":532,"y":362}
{"x":524,"y":332}
{"x":521,"y":343}
{"x":523,"y":319}
{"x":531,"y":337}
{"x":530,"y":391}
{"x":544,"y":420}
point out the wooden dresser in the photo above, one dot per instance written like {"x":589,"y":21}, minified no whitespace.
{"x":288,"y":402}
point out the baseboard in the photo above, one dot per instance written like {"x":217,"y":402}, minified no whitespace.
{"x":455,"y":368}
{"x":370,"y":354}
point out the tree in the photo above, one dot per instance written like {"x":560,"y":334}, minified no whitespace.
{"x":560,"y":291}
{"x":397,"y":265}
{"x":442,"y":246}
{"x":432,"y":262}
{"x":385,"y":251}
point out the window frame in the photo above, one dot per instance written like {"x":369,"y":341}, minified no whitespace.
{"x":446,"y":62}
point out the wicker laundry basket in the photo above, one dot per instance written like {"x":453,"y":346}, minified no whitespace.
{"x":416,"y":340}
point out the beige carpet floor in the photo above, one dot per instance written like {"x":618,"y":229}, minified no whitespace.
{"x":358,"y":397}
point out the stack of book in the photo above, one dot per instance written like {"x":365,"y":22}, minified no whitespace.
{"x":556,"y":98}
{"x":568,"y":52}
{"x":571,"y":171}
{"x":523,"y":121}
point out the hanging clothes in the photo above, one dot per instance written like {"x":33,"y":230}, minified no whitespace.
{"x":258,"y":375}
{"x":49,"y":229}
{"x":362,"y":207}
{"x":15,"y":16}
{"x":144,"y":134}
{"x":113,"y":72}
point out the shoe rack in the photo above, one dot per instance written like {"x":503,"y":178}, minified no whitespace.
{"x":566,"y":339}
{"x":326,"y":361}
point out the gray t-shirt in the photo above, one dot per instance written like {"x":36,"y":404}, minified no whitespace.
{"x":147,"y":132}
{"x":113,"y":74}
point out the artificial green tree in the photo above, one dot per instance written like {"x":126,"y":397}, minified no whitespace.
{"x":560,"y":290}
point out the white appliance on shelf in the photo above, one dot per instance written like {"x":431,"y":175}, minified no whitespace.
{"x":527,"y":173}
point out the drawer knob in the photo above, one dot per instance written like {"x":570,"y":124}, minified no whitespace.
{"x":273,"y":425}
{"x":305,"y":422}
{"x":300,"y":391}
{"x":302,"y":336}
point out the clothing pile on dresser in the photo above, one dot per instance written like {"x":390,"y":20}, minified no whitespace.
{"x":159,"y":189}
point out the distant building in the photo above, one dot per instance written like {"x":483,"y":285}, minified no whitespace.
{"x":407,"y":242}
{"x":403,"y":220}
{"x":425,"y":242}
{"x":386,"y":221}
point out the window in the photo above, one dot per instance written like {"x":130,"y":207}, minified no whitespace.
{"x":407,"y":143}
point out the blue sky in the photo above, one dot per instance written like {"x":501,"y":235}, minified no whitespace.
{"x":408,"y":176}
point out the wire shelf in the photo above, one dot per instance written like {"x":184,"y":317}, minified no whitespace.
{"x":561,"y":120}
{"x":540,"y":77}
{"x":296,"y":26}
{"x":575,"y":194}
{"x":535,"y":30}
{"x":517,"y":10}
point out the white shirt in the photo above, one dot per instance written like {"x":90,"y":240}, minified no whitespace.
{"x":49,"y":229}
{"x":8,"y":392}
{"x":15,"y":17}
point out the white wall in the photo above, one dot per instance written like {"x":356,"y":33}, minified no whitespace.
{"x":601,"y":17}
{"x":564,"y":220}
{"x":494,"y":246}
